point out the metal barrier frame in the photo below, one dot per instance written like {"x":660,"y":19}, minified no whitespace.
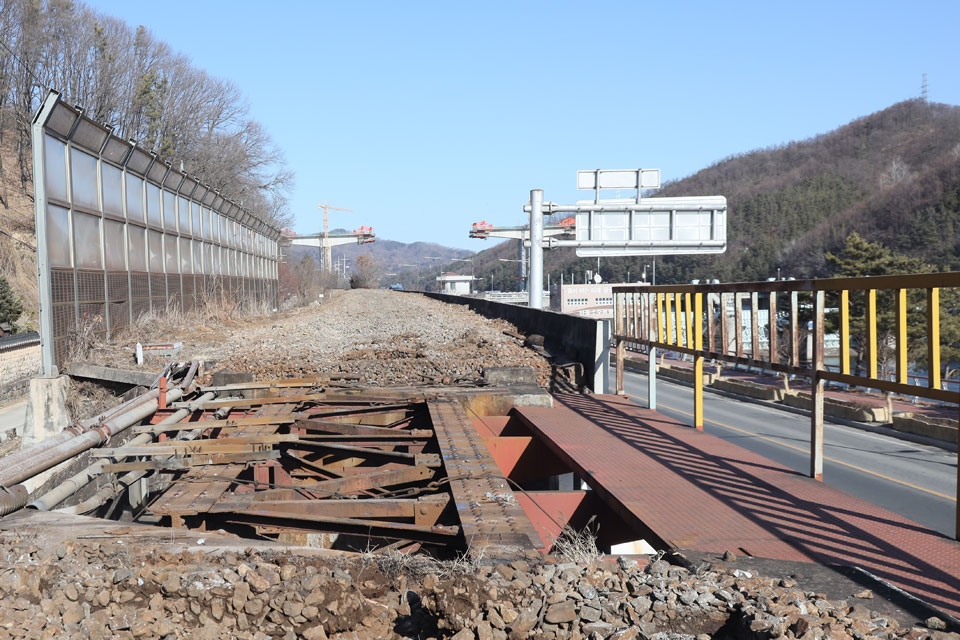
{"x":660,"y":317}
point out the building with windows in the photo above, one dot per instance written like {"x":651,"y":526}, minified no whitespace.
{"x":456,"y":284}
{"x":587,"y":300}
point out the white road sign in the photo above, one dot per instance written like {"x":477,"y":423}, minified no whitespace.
{"x":652,"y":226}
{"x":619,"y":179}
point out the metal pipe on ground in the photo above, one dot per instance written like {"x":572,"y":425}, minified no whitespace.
{"x":73,"y":484}
{"x":64,"y":450}
{"x":19,"y":462}
{"x":12,"y":498}
{"x":113,"y":489}
{"x":30,"y":453}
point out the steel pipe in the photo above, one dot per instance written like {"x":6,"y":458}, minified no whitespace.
{"x":43,"y":455}
{"x":24,"y":458}
{"x":12,"y":498}
{"x":31,"y":452}
{"x":535,"y":283}
{"x":52,"y":456}
{"x":113,"y":489}
{"x":73,"y":484}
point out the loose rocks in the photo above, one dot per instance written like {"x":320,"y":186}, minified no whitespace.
{"x":105,"y":590}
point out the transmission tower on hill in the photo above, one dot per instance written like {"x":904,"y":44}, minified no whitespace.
{"x":923,"y":88}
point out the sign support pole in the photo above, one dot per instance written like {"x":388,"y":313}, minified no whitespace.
{"x":535,"y":282}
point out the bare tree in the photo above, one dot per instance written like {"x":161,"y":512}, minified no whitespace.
{"x":127,"y":78}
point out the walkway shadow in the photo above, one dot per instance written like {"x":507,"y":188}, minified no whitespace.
{"x":917,"y":559}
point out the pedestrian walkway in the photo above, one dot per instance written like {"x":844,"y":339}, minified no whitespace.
{"x":693,"y":490}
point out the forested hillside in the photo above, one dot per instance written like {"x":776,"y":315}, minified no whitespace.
{"x":125,"y":77}
{"x":893,"y":177}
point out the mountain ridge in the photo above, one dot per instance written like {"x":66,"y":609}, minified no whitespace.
{"x":893,"y":176}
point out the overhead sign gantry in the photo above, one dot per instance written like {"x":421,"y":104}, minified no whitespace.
{"x":627,"y":227}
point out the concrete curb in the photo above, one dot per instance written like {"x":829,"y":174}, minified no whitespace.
{"x":872,"y":428}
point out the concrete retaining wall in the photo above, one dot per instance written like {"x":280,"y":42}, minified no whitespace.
{"x":19,"y":362}
{"x":583,"y":339}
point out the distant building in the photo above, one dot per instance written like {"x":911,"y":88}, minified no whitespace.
{"x":587,"y":300}
{"x":455,"y":284}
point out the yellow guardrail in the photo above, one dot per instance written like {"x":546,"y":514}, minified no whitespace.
{"x":680,"y":317}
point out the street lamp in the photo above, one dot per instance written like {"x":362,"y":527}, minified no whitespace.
{"x":470,"y":260}
{"x":439,"y":266}
{"x":522,"y":283}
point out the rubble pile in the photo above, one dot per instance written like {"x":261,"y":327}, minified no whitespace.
{"x":105,"y":590}
{"x":382,"y":336}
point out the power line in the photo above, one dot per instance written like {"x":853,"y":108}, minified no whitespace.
{"x":24,"y":65}
{"x":28,"y":246}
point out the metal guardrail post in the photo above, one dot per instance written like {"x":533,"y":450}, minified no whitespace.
{"x":697,"y":359}
{"x":621,"y":348}
{"x":816,"y":391}
{"x":872,"y":333}
{"x":901,"y":346}
{"x":794,"y":330}
{"x":933,"y":337}
{"x":845,"y":332}
{"x":652,"y":378}
{"x":772,"y":328}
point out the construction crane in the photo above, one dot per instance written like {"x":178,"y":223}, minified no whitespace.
{"x":327,"y":255}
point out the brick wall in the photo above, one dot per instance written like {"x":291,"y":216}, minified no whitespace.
{"x":17,"y":366}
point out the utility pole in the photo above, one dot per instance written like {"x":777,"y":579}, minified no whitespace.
{"x":327,"y":253}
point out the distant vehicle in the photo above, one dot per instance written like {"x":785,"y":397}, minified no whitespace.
{"x":397,"y":287}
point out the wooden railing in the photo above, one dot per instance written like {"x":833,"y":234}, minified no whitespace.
{"x":680,"y":318}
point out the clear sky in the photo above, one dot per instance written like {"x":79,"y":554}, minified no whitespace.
{"x":427,"y":117}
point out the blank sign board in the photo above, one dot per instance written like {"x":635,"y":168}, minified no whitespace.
{"x":653,"y":226}
{"x":619,"y":179}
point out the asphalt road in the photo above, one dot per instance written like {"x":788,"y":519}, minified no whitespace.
{"x":915,"y":481}
{"x":12,"y":416}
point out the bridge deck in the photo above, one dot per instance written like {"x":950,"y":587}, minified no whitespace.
{"x":695,"y":491}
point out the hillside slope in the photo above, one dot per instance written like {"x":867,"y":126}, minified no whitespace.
{"x":893,"y":176}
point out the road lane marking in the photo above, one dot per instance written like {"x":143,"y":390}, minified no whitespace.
{"x":912,"y":447}
{"x":807,"y":452}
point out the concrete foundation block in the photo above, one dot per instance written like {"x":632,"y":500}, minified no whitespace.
{"x":838,"y":408}
{"x":499,"y":376}
{"x":749,"y":389}
{"x":47,"y":413}
{"x":925,"y":426}
{"x":684,"y":374}
{"x":46,"y":416}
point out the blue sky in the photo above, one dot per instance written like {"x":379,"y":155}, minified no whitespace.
{"x":427,"y":117}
